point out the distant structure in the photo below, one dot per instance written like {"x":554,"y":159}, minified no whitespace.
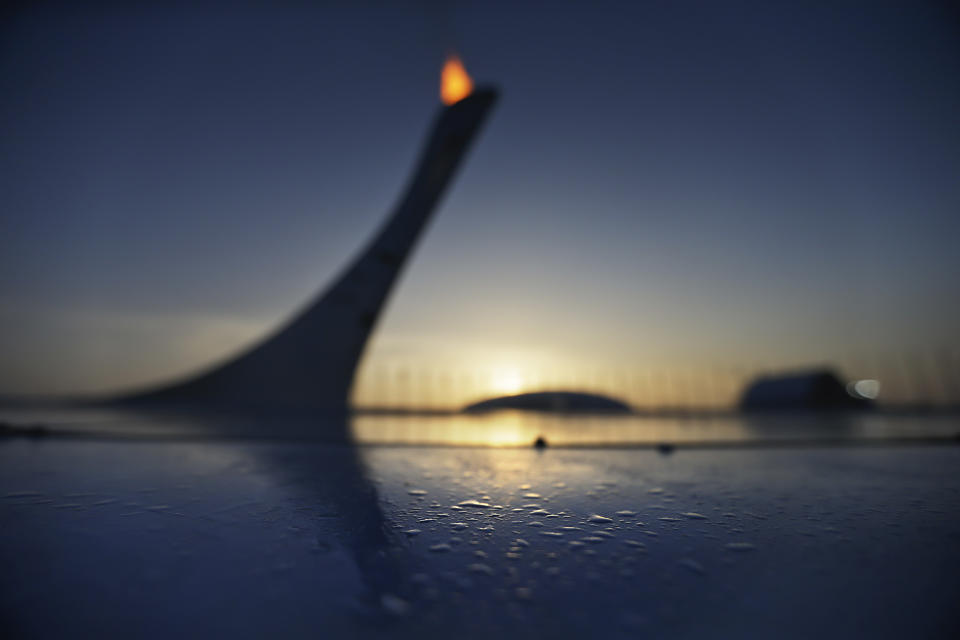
{"x":310,"y":362}
{"x":803,"y":390}
{"x":553,"y":401}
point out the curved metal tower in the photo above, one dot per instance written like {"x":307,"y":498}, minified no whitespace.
{"x":310,"y":362}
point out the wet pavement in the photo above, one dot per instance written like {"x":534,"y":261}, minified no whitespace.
{"x":154,"y":539}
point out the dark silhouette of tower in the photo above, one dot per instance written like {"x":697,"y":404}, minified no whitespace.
{"x":310,"y":362}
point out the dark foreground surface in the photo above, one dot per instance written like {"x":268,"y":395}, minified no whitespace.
{"x":253,"y":539}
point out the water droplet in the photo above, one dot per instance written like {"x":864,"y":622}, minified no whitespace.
{"x":416,"y":492}
{"x":479,"y":567}
{"x":475,"y":503}
{"x":692,"y":565}
{"x":458,"y":526}
{"x":551,"y":534}
{"x":520,"y":542}
{"x":576,"y":544}
{"x":635,"y":543}
{"x":695,"y":516}
{"x":626,"y":513}
{"x":598,"y":518}
{"x":669,"y":519}
{"x":535,"y":523}
{"x":511,"y":555}
{"x":532,"y":496}
{"x":394,"y":605}
{"x":525,"y":486}
{"x":439,"y":548}
{"x":412,"y":532}
{"x":593,"y":539}
{"x":540,"y":512}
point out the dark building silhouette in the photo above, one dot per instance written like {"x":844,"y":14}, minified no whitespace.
{"x":819,"y":389}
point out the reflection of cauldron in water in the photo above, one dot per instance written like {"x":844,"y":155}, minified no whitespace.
{"x":333,"y":478}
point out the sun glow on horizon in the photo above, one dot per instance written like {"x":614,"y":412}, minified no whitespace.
{"x":506,"y":381}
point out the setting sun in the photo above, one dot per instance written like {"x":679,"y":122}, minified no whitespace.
{"x":506,"y":381}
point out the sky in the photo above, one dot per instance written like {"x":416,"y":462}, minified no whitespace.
{"x":671,"y":186}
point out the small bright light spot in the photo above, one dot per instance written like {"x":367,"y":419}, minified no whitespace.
{"x":868,"y":389}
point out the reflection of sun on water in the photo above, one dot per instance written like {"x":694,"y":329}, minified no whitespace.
{"x":505,"y":429}
{"x":498,"y":429}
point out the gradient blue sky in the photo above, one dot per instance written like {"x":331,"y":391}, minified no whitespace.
{"x":664,"y":184}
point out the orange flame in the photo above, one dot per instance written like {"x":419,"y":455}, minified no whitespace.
{"x":455,"y":84}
